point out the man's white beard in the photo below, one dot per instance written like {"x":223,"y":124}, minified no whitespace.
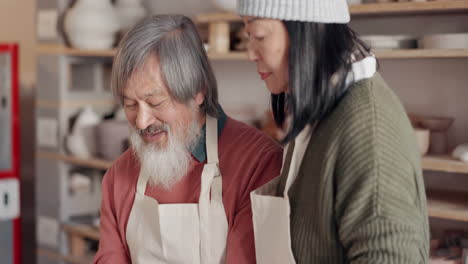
{"x":165,"y":166}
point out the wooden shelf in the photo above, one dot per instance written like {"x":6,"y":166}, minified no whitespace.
{"x":54,"y":49}
{"x":444,"y":164}
{"x":89,"y":163}
{"x":68,"y":259}
{"x":74,"y":103}
{"x":81,"y":230}
{"x":448,"y":205}
{"x":421,"y":53}
{"x":57,"y":49}
{"x":410,"y":8}
{"x":45,"y":49}
{"x":233,"y":56}
{"x":77,"y":235}
{"x":380,"y":54}
{"x":217,"y":17}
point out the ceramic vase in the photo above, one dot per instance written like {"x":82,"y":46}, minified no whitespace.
{"x":82,"y":140}
{"x":129,"y":13}
{"x":92,"y":24}
{"x":227,"y":5}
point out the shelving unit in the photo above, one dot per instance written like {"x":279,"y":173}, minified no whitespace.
{"x":57,"y":49}
{"x":409,"y":8}
{"x":444,"y":164}
{"x":448,"y":205}
{"x":77,"y":235}
{"x":67,"y":259}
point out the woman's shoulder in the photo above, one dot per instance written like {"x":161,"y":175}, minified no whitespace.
{"x":372,"y":118}
{"x":368,"y":101}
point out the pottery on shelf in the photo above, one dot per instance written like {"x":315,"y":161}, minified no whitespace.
{"x":112,"y":136}
{"x":461,"y":153}
{"x":438,"y":127}
{"x":129,"y":13}
{"x":423,"y":139}
{"x":227,"y":5}
{"x":82,"y":140}
{"x":92,"y":24}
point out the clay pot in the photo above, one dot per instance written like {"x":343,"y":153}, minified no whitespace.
{"x":129,"y":12}
{"x":439,"y":138}
{"x":111,"y":138}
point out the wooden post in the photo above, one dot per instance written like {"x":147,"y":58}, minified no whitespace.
{"x":219,"y":37}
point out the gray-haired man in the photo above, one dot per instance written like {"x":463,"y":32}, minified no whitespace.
{"x":181,"y":194}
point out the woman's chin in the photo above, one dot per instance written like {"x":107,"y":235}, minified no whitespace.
{"x":275,"y":89}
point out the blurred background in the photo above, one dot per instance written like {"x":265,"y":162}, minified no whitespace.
{"x":71,"y":130}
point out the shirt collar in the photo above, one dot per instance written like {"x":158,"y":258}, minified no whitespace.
{"x":199,"y":151}
{"x":363,"y":69}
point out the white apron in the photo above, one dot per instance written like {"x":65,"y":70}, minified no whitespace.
{"x":181,"y":233}
{"x":271,"y":213}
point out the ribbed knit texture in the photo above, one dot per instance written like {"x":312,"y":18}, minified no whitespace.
{"x":359,"y":196}
{"x":323,"y":11}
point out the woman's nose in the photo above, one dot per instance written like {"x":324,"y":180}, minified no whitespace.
{"x":251,"y":52}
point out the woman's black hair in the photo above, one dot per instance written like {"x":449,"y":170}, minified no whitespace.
{"x":317,"y":52}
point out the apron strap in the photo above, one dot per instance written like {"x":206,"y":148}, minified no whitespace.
{"x":300,"y":145}
{"x":211,"y":139}
{"x":213,"y":221}
{"x":142,"y":182}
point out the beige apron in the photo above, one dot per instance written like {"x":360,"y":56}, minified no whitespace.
{"x":271,"y":213}
{"x":181,"y":233}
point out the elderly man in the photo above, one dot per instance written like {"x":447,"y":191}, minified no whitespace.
{"x":182,"y":193}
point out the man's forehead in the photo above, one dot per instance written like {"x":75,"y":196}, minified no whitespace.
{"x":144,"y":87}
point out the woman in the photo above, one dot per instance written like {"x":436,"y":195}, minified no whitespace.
{"x":351,"y":189}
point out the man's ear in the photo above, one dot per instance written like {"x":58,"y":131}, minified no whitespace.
{"x":199,"y":98}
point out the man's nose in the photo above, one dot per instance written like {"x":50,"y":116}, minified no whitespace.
{"x":145,"y":118}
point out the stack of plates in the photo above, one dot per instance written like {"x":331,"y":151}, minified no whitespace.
{"x":390,"y":42}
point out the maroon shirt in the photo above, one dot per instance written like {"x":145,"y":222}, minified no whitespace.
{"x":247,"y":160}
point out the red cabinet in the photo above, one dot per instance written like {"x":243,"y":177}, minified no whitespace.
{"x":10,"y":233}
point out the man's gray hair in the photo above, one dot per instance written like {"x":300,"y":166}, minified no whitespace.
{"x":184,"y":64}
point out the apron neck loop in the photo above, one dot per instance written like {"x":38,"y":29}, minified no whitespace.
{"x":142,"y":182}
{"x":211,"y":139}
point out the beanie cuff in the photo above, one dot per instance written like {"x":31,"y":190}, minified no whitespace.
{"x":320,"y":11}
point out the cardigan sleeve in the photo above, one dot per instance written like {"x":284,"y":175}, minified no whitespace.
{"x":380,"y":206}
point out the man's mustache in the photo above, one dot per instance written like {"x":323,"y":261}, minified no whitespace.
{"x":153,"y":129}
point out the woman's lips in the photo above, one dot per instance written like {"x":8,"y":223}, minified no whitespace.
{"x":264,"y":75}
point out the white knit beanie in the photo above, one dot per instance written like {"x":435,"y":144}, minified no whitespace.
{"x":321,"y":11}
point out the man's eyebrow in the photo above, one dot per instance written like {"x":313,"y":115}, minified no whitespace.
{"x":154,"y":92}
{"x":148,"y":94}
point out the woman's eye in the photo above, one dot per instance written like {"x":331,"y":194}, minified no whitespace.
{"x":259,"y":38}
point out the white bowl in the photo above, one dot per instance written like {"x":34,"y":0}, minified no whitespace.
{"x":444,"y":41}
{"x":390,"y":41}
{"x":422,"y":136}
